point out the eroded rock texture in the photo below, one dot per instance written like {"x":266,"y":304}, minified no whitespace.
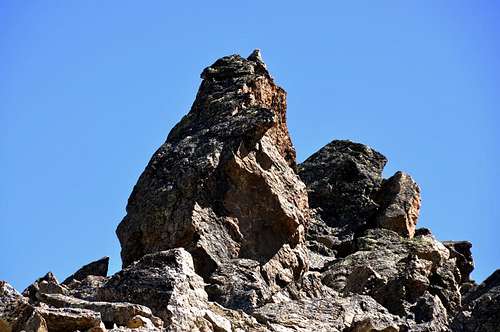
{"x":342,"y":179}
{"x":223,"y":185}
{"x":481,"y":307}
{"x":399,"y":200}
{"x":225,"y":232}
{"x":97,"y":268}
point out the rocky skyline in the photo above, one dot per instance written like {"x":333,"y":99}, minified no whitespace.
{"x":225,"y":231}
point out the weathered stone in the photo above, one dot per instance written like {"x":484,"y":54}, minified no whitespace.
{"x":461,"y":251}
{"x":429,"y":308}
{"x":47,"y":284}
{"x":481,"y":310}
{"x":219,"y":236}
{"x":87,"y":288}
{"x":399,"y":200}
{"x":163,"y":281}
{"x":341,"y":179}
{"x":119,"y":313}
{"x":240,"y":321}
{"x":334,"y":313}
{"x":14,"y":309}
{"x":95,"y":268}
{"x":395,"y":271}
{"x":219,"y":323}
{"x":239,"y":284}
{"x":139,"y":321}
{"x":69,"y":319}
{"x":223,"y":185}
{"x":35,"y":323}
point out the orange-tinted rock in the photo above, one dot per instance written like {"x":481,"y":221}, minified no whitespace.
{"x":399,"y":201}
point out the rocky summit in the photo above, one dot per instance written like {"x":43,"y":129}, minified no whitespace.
{"x":224,"y":232}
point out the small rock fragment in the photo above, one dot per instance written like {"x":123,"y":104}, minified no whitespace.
{"x":139,"y":321}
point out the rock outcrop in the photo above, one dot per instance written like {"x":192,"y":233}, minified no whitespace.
{"x":96,"y":268}
{"x":399,"y":200}
{"x":342,"y":179}
{"x":481,"y":307}
{"x":223,"y":185}
{"x":225,"y":232}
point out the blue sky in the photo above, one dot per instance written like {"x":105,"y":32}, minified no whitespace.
{"x":90,"y":89}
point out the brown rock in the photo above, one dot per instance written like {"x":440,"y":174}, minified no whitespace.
{"x":35,"y":323}
{"x":47,"y":284}
{"x":119,"y":313}
{"x":139,"y":321}
{"x":399,"y":200}
{"x":219,"y":237}
{"x":87,"y":288}
{"x":69,"y":319}
{"x":14,"y":309}
{"x":163,"y":281}
{"x":223,"y":185}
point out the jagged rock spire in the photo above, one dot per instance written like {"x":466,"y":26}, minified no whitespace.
{"x":223,"y":185}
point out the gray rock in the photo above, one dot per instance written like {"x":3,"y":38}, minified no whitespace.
{"x":119,"y":313}
{"x":223,"y":185}
{"x":335,"y":313}
{"x":14,"y":309}
{"x":166,"y":283}
{"x":481,"y":310}
{"x":87,"y":288}
{"x":461,"y":251}
{"x":69,"y":319}
{"x":342,"y":179}
{"x":95,"y":268}
{"x":395,"y":271}
{"x":239,"y":284}
{"x":47,"y":284}
{"x":221,"y":234}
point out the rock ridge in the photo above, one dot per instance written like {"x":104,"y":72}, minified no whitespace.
{"x":225,"y":231}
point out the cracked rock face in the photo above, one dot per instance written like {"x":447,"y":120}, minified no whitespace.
{"x":399,"y":200}
{"x":224,"y":232}
{"x":97,"y":268}
{"x":164,"y":281}
{"x":481,"y":310}
{"x":223,"y":185}
{"x":342,"y":179}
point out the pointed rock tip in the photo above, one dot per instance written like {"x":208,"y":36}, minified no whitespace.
{"x":256,"y":55}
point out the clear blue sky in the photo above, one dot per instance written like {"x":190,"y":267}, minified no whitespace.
{"x":90,"y":89}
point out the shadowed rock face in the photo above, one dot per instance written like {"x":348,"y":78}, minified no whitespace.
{"x":95,"y":268}
{"x":221,"y":234}
{"x":461,"y":251}
{"x":342,"y":179}
{"x":481,"y":310}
